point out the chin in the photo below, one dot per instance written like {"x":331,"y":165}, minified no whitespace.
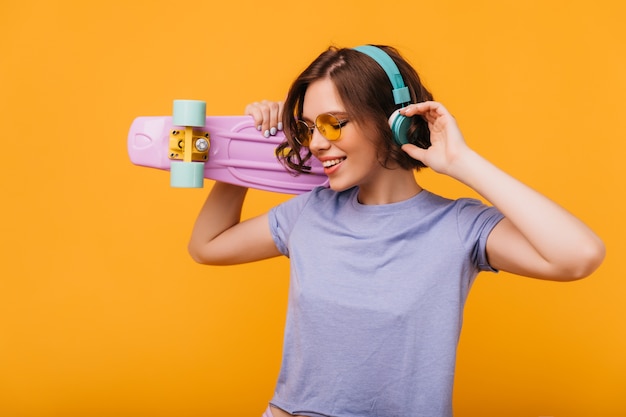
{"x":339,"y":186}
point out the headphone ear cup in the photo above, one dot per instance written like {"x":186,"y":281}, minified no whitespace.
{"x":400,"y":125}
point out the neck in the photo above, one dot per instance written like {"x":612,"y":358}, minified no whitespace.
{"x":398,"y":185}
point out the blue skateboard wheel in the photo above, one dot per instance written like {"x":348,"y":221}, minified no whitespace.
{"x":187,"y":174}
{"x":189,"y":113}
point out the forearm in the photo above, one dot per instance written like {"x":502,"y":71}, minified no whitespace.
{"x":220,"y":212}
{"x":561,"y":239}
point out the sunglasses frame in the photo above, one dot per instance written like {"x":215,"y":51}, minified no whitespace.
{"x":320,"y":128}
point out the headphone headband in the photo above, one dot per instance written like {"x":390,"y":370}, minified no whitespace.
{"x":398,"y":123}
{"x":401,"y":92}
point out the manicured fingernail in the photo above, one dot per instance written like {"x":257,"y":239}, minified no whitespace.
{"x":266,"y":133}
{"x":259,"y":127}
{"x":273,"y":131}
{"x":280,"y":125}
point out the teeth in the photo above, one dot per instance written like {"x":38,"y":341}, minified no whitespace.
{"x":332,"y":162}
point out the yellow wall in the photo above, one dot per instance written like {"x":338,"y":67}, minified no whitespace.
{"x":102,"y":312}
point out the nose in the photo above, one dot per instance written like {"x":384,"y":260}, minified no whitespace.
{"x":318,"y":142}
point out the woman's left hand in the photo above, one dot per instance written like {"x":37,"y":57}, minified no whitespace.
{"x":447,"y":142}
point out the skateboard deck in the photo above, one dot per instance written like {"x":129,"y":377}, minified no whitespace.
{"x":237,"y":153}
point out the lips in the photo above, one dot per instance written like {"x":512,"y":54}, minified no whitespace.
{"x":332,"y":162}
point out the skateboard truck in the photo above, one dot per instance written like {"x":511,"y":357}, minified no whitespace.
{"x":189,"y":147}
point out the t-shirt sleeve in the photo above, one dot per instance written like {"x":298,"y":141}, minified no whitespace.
{"x":282,"y":219}
{"x":475,"y":222}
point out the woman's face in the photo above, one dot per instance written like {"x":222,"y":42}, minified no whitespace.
{"x":352,"y":159}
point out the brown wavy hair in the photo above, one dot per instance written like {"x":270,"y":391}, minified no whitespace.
{"x":366,"y":92}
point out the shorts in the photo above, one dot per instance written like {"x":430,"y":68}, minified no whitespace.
{"x":268,"y":412}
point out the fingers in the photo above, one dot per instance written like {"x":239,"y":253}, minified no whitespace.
{"x":429,"y":110}
{"x":414,"y":152}
{"x":267,"y":116}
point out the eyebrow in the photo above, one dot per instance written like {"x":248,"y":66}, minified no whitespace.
{"x":339,"y":114}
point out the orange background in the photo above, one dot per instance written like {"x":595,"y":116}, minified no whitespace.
{"x":103,"y":313}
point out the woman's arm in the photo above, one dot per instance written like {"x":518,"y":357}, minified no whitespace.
{"x":537,"y":237}
{"x":219,"y":238}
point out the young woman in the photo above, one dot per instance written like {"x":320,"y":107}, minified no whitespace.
{"x":380,"y":267}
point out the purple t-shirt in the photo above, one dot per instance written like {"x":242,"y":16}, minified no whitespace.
{"x":376,"y":301}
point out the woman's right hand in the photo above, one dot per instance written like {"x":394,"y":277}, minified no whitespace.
{"x":267,"y":116}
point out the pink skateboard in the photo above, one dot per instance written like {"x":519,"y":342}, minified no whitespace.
{"x":229,"y":149}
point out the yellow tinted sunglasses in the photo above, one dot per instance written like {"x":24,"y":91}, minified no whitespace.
{"x":326,"y":123}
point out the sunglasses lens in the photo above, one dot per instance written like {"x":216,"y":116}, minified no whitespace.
{"x":303,"y":134}
{"x":329,"y":126}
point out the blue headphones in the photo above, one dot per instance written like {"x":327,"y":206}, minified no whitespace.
{"x":399,"y":124}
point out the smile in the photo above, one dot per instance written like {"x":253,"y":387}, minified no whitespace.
{"x":332,"y":162}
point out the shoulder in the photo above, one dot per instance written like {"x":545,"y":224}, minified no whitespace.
{"x":469,"y":216}
{"x":311,"y":200}
{"x":323,"y":196}
{"x":459,"y":206}
{"x":436,"y":205}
